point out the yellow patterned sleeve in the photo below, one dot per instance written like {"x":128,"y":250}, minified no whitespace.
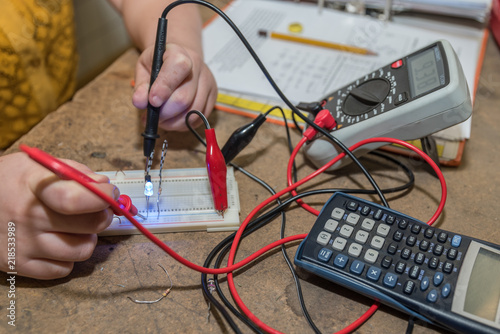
{"x":38,"y":62}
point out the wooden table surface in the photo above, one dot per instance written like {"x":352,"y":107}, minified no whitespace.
{"x":101,"y":129}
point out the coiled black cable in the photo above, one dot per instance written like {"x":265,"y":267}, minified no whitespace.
{"x":225,"y":245}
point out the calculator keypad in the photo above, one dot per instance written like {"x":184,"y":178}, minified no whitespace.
{"x":390,"y":250}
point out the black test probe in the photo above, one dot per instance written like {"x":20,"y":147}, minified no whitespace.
{"x":150,"y":133}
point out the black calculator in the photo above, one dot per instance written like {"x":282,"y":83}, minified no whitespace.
{"x":443,"y":278}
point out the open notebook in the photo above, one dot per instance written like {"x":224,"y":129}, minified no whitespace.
{"x":308,"y":73}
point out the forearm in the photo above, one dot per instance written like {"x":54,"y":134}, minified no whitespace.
{"x":141,"y":19}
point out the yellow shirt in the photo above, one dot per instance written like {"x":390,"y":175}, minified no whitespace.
{"x":38,"y":62}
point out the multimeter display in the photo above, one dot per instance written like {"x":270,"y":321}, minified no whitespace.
{"x":426,"y":71}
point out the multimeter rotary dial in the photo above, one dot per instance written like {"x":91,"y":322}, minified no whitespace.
{"x":366,"y":96}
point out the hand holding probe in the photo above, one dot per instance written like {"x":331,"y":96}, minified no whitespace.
{"x":66,"y":172}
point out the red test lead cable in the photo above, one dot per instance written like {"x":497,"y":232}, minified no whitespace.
{"x":422,"y":154}
{"x":236,"y":240}
{"x":289,"y":177}
{"x":69,"y":173}
{"x":323,"y":119}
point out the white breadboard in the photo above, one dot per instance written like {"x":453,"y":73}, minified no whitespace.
{"x":185,"y":202}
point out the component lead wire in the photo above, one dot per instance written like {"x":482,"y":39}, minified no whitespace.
{"x":163,"y":295}
{"x":162,"y":160}
{"x":147,"y":181}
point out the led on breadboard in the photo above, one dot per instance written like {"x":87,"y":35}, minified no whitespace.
{"x":185,"y":202}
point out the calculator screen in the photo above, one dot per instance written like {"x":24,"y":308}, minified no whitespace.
{"x":483,"y":293}
{"x":477,"y":293}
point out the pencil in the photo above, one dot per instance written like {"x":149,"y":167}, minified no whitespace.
{"x":309,"y":41}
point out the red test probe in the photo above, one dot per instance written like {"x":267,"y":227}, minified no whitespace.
{"x":67,"y":172}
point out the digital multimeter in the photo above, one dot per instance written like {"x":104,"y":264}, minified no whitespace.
{"x":437,"y":276}
{"x":410,"y":98}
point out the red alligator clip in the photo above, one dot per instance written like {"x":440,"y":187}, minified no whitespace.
{"x":217,"y":172}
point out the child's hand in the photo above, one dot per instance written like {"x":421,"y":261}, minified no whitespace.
{"x":56,"y":221}
{"x":183,"y":84}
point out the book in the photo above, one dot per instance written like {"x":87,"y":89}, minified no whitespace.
{"x":478,"y":10}
{"x":307,"y":73}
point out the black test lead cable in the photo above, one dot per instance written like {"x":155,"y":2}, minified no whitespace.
{"x":227,"y":242}
{"x":276,"y":88}
{"x":298,"y":286}
{"x":150,"y":133}
{"x":204,"y":280}
{"x":238,"y":142}
{"x":223,"y":247}
{"x":296,"y":280}
{"x":271,"y":81}
{"x":283,"y":97}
